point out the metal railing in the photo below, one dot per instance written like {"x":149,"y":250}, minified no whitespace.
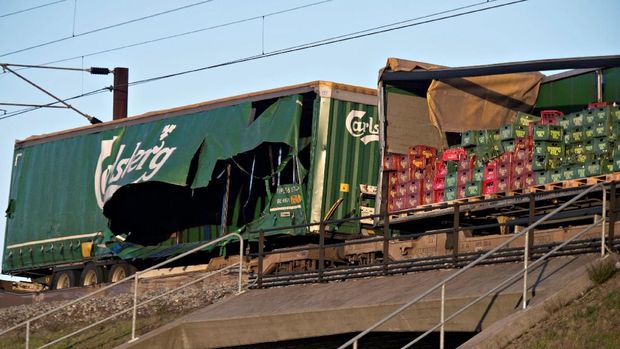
{"x":135,"y":278}
{"x":528,"y":233}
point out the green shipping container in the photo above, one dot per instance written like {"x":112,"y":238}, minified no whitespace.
{"x":291,"y":154}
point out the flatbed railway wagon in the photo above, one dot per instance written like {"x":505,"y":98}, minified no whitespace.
{"x":92,"y":204}
{"x":502,"y":133}
{"x":469,"y":155}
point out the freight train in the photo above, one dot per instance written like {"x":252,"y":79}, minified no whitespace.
{"x":94,"y":204}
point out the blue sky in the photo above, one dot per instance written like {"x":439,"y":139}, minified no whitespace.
{"x":534,"y":29}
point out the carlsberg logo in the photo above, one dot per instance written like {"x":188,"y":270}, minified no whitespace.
{"x":148,"y":161}
{"x":366,"y":131}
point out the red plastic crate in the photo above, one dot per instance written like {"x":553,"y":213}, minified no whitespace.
{"x":440,"y":168}
{"x":418,"y":161}
{"x":505,"y":158}
{"x":454,"y":154}
{"x":404,"y":163}
{"x":529,"y":179}
{"x":596,"y":105}
{"x":423,"y":150}
{"x":413,"y":201}
{"x":466,"y":163}
{"x":490,"y":171}
{"x":428,"y":197}
{"x":461,"y":191}
{"x":489,"y":187}
{"x":414,"y":187}
{"x":427,"y":185}
{"x":390,"y":161}
{"x":550,"y":117}
{"x":438,"y":183}
{"x":438,"y":195}
{"x":517,"y":182}
{"x":393,"y":178}
{"x":518,"y":168}
{"x":404,"y":176}
{"x":503,"y":171}
{"x":463,"y":177}
{"x":417,"y":174}
{"x":402,"y":190}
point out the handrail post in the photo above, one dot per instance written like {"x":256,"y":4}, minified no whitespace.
{"x":261,"y":246}
{"x":531,"y":219}
{"x":355,"y":345}
{"x":135,"y":306}
{"x":612,"y":215}
{"x":604,"y":219}
{"x":386,"y":241}
{"x":526,"y":257}
{"x":321,"y":250}
{"x":27,"y":334}
{"x":455,"y":235}
{"x":443,"y":308}
{"x":240,"y":265}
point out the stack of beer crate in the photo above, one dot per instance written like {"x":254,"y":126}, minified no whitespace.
{"x":410,"y":177}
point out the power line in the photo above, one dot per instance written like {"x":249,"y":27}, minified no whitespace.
{"x":335,"y":39}
{"x":328,"y":41}
{"x":30,"y":8}
{"x":227,"y":24}
{"x":106,"y":27}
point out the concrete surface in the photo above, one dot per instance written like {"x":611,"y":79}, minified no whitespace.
{"x":304,"y":311}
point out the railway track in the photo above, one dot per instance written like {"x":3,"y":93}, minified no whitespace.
{"x":343,"y":273}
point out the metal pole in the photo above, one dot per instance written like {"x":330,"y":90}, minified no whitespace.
{"x":321,"y":250}
{"x":443,"y":307}
{"x":526,"y":257}
{"x":135,"y":307}
{"x":261,"y":244}
{"x":532,"y":214}
{"x":612,"y":216}
{"x":455,"y":235}
{"x":603,"y":224}
{"x":240,"y":264}
{"x":119,"y":98}
{"x":27,"y":334}
{"x":386,"y":242}
{"x":355,"y":345}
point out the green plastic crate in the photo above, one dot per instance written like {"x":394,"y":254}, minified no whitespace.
{"x":473,"y":189}
{"x":575,"y":134}
{"x":601,"y":146}
{"x":525,"y":119}
{"x":556,"y":175}
{"x":512,"y":131}
{"x":593,"y":168}
{"x":449,"y":193}
{"x":616,"y":164}
{"x":469,"y":138}
{"x":450,"y":180}
{"x":540,"y":177}
{"x":602,"y":129}
{"x":607,"y":166}
{"x":563,"y":121}
{"x":548,"y":133}
{"x":569,"y":172}
{"x":543,"y":148}
{"x":493,"y":136}
{"x":576,"y":119}
{"x":478,"y":174}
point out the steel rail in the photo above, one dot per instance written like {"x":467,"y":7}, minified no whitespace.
{"x":469,"y":266}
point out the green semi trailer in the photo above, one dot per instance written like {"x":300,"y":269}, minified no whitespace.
{"x":92,"y":204}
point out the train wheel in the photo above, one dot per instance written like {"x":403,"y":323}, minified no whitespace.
{"x":91,"y":275}
{"x":64,"y":279}
{"x":120,"y":271}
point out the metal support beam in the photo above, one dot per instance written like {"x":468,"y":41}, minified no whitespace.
{"x":321,"y":251}
{"x":261,"y":251}
{"x":91,"y":119}
{"x":504,"y":68}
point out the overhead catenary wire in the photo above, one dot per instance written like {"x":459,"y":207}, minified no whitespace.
{"x":195,"y":31}
{"x":92,"y":31}
{"x":30,"y":8}
{"x":328,"y":41}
